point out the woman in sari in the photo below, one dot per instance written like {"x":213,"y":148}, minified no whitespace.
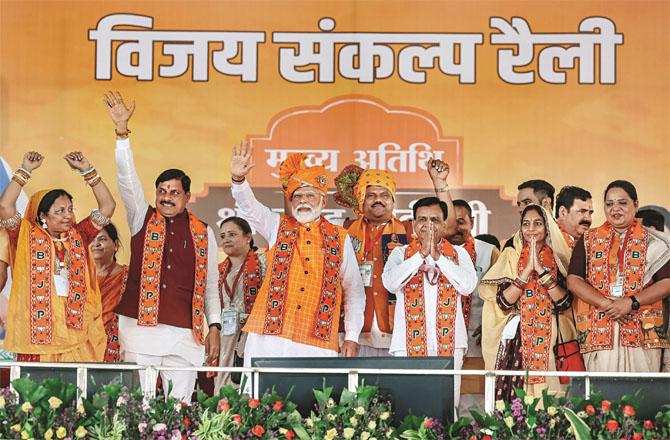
{"x":523,"y":293}
{"x":241,"y":274}
{"x":112,"y":278}
{"x":620,"y":272}
{"x":55,"y":313}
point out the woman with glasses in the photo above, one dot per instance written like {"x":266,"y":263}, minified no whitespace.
{"x":620,"y":272}
{"x":55,"y":312}
{"x":241,"y":275}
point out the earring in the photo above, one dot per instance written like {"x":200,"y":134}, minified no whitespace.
{"x":44,"y":224}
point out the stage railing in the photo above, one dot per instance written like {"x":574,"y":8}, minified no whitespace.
{"x":151,"y":375}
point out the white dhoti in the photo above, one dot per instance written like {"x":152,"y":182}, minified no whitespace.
{"x":624,"y":359}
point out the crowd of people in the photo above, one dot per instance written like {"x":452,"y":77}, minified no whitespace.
{"x":374,"y":286}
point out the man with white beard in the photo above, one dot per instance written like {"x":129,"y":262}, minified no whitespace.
{"x":312,"y":268}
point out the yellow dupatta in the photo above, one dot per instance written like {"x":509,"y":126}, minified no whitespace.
{"x":505,"y":270}
{"x":66,"y":344}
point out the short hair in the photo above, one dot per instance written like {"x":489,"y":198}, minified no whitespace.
{"x":490,"y":239}
{"x":463,"y":204}
{"x":430,"y":201}
{"x":651,"y":217}
{"x":174,"y":173}
{"x":625,"y":185}
{"x":567,"y":196}
{"x":541,"y":189}
{"x":48,"y":201}
{"x":242,"y":224}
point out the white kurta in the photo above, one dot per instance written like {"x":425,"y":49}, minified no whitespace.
{"x":266,"y":223}
{"x":398,"y":272}
{"x":161,"y":340}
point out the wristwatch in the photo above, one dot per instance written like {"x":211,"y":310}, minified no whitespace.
{"x":636,"y":303}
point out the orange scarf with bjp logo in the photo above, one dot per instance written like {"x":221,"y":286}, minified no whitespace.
{"x":154,"y":242}
{"x":535,"y":308}
{"x":415,"y":308}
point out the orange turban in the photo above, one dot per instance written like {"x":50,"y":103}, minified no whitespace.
{"x":294,"y":174}
{"x":353,"y":181}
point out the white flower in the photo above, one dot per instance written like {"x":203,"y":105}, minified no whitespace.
{"x":309,"y":423}
{"x":582,"y":414}
{"x":331,"y":403}
{"x":486,"y":431}
{"x":331,"y":434}
{"x":552,"y":423}
{"x":81,"y":409}
{"x":26,"y":407}
{"x":348,"y":432}
{"x":160,"y":427}
{"x":2,"y":402}
{"x":283,"y":431}
{"x":528,"y":400}
{"x":360,"y":411}
{"x":509,"y":421}
{"x":372,"y":425}
{"x":365,"y":435}
{"x":330,"y":417}
{"x":500,"y":405}
{"x":385,"y":415}
{"x":354,"y":421}
{"x":552,"y":411}
{"x":570,"y":431}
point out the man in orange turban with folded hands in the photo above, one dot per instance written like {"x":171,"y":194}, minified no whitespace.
{"x":312,"y":268}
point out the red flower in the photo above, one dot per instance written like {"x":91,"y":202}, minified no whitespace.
{"x":628,"y":411}
{"x":186,"y":422}
{"x":237,"y":419}
{"x":605,"y":406}
{"x":427,"y":424}
{"x":254,"y":403}
{"x":590,"y":410}
{"x":290,"y":435}
{"x":473,"y":437}
{"x":183,"y":404}
{"x":637,"y":436}
{"x":487,"y":437}
{"x":612,"y":425}
{"x":258,"y":431}
{"x":648,"y":424}
{"x":223,"y":405}
{"x":277,"y":406}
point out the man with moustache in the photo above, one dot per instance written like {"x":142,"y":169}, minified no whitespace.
{"x":483,"y":255}
{"x":430,"y":278}
{"x":173,"y":275}
{"x":374,"y":234}
{"x":533,"y":192}
{"x":574,"y":209}
{"x":312,"y":270}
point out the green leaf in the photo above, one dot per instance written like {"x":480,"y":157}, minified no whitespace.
{"x":301,"y":432}
{"x":347,"y":397}
{"x":579,"y":427}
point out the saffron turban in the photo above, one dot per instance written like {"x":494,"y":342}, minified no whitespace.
{"x":294,"y":174}
{"x":353,"y":181}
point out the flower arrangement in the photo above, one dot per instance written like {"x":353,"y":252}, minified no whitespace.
{"x":51,"y":410}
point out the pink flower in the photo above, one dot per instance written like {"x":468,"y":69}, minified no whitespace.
{"x":628,"y":411}
{"x":254,"y":403}
{"x":258,"y":431}
{"x":612,"y":425}
{"x":605,"y":405}
{"x":648,"y":424}
{"x":223,"y":405}
{"x":590,"y":410}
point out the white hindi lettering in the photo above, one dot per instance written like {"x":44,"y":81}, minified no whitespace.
{"x":179,"y":45}
{"x":581,"y":46}
{"x":480,"y":214}
{"x":367,"y":57}
{"x":390,"y":156}
{"x":325,"y":158}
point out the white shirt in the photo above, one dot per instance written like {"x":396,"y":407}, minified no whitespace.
{"x":162,"y":339}
{"x":266,"y":223}
{"x":399,"y":271}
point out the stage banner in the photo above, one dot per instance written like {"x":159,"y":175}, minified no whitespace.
{"x":576,"y":93}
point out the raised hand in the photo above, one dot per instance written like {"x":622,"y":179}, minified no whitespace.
{"x":77,"y":161}
{"x":32,"y":160}
{"x":240,"y":163}
{"x":118,"y":110}
{"x":438,"y":171}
